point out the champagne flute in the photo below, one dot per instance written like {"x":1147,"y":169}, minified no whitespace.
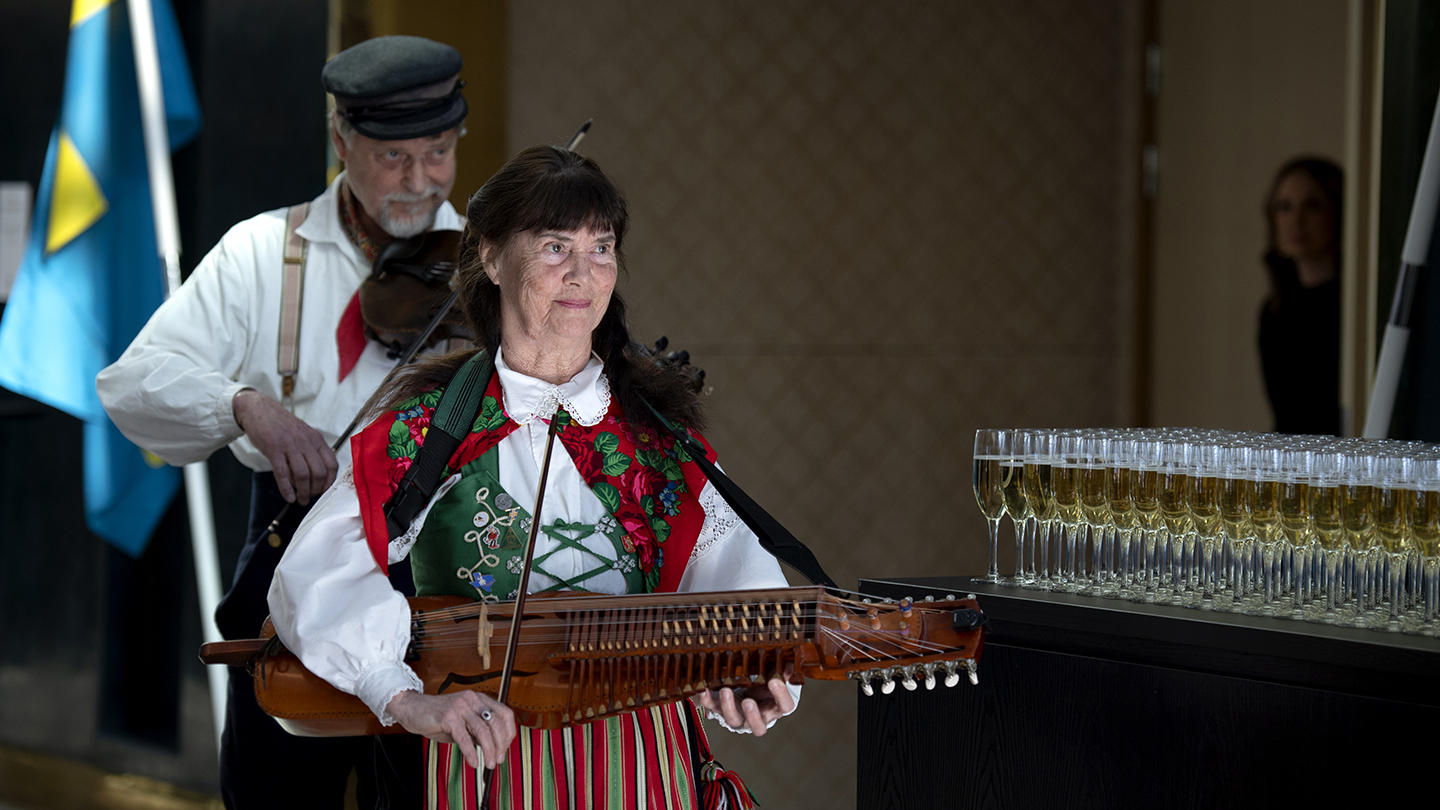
{"x":1118,"y":478}
{"x":1361,"y":548}
{"x":1174,"y":489}
{"x":1065,"y":486}
{"x":1039,"y":452}
{"x":1203,"y":500}
{"x":1295,"y":521}
{"x":1017,"y":504}
{"x":1327,"y":522}
{"x":991,"y":450}
{"x":1425,"y":529}
{"x":1394,"y":499}
{"x":1236,"y":484}
{"x":1265,"y":520}
{"x":1146,"y":499}
{"x":1096,"y":507}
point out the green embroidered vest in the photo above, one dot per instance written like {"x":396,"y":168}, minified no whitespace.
{"x":473,"y":542}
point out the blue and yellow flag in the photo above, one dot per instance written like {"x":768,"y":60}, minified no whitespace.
{"x":91,"y":274}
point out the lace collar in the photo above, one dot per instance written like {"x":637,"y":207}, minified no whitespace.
{"x":586,"y":397}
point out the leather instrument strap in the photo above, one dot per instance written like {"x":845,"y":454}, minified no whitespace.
{"x":450,"y":424}
{"x":292,"y":294}
{"x":773,"y":537}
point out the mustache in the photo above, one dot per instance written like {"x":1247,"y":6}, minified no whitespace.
{"x":410,"y":198}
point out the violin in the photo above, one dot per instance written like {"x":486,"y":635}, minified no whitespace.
{"x":408,"y":286}
{"x":582,"y":657}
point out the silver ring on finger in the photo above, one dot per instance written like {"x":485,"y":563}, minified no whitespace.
{"x":485,"y":715}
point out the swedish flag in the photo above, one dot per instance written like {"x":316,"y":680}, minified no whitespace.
{"x":91,"y":274}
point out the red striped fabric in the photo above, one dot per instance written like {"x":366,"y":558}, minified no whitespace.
{"x":634,"y":760}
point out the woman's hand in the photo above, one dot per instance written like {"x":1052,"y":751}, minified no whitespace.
{"x":458,"y":718}
{"x":759,"y":705}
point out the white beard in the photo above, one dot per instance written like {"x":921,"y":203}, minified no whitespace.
{"x":404,"y":227}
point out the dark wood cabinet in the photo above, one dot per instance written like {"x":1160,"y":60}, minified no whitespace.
{"x":1094,"y":702}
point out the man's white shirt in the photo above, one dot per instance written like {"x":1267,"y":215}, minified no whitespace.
{"x":171,"y":391}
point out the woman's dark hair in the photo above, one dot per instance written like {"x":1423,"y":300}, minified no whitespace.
{"x":1331,"y":181}
{"x":552,"y":189}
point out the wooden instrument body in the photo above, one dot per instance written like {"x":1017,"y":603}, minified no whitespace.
{"x":583,"y":657}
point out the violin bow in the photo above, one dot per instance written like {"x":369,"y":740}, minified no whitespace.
{"x":404,"y":360}
{"x":512,"y":643}
{"x":579,"y":135}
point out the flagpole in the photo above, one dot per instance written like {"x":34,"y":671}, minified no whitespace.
{"x":1412,"y":261}
{"x":167,"y":239}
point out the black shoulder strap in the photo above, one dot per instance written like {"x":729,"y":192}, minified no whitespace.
{"x":773,"y":537}
{"x":454,"y":416}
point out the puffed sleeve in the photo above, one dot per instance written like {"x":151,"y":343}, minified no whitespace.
{"x":171,"y":390}
{"x":728,"y":556}
{"x":335,"y":610}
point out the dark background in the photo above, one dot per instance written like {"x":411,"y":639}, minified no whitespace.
{"x":68,"y":600}
{"x":1412,"y":79}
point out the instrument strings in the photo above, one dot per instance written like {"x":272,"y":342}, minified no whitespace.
{"x":608,"y":627}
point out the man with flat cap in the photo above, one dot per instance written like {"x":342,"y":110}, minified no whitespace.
{"x":264,"y":349}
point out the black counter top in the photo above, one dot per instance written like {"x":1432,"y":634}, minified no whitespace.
{"x":1369,"y":663}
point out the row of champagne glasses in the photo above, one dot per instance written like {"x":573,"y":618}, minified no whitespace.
{"x":1342,"y":531}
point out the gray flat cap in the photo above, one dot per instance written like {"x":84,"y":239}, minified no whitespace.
{"x":398,"y":87}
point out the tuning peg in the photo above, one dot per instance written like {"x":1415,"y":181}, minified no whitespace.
{"x":888,"y":686}
{"x":864,"y":679}
{"x":974,"y":675}
{"x":909,"y":680}
{"x":929,"y":677}
{"x":951,"y":676}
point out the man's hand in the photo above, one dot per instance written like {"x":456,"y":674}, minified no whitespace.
{"x":459,"y":719}
{"x":761,"y":704}
{"x":304,"y":464}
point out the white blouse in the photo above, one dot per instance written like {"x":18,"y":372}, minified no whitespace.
{"x":332,"y":606}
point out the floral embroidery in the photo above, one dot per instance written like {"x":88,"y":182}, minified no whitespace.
{"x":670,"y":497}
{"x":644,"y":492}
{"x":408,"y":431}
{"x":643,"y":438}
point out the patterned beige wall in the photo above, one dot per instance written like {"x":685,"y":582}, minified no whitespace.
{"x":878,"y":226}
{"x":1247,"y":86}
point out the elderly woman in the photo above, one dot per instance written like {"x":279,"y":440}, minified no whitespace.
{"x":625,"y":510}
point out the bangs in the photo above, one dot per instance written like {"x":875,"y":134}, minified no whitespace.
{"x":571,"y":200}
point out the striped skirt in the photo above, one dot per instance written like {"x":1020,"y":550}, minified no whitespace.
{"x":652,"y":758}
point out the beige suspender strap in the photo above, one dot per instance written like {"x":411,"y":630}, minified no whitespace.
{"x":292,"y":293}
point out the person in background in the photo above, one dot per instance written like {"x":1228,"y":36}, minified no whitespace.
{"x":1300,"y":321}
{"x":204,"y":373}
